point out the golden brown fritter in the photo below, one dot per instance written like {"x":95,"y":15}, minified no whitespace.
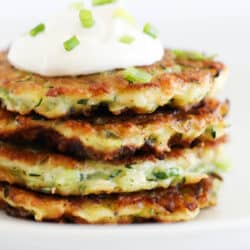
{"x":179,"y":203}
{"x":179,"y":80}
{"x":58,"y":174}
{"x":109,"y":137}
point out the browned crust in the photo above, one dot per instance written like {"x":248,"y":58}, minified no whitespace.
{"x":51,"y":134}
{"x":104,"y":88}
{"x":199,"y":145}
{"x":165,"y":204}
{"x":33,"y":157}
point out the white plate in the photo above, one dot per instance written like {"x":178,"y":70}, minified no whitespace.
{"x":224,"y":227}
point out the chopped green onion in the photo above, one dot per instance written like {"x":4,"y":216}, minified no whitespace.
{"x":102,"y":2}
{"x":173,"y":172}
{"x":129,"y":166}
{"x":192,"y":55}
{"x":71,"y":43}
{"x":135,"y":75}
{"x":212,"y":131}
{"x":26,"y":78}
{"x":39,"y":103}
{"x":115,"y":173}
{"x":152,"y":211}
{"x":86,"y":18}
{"x":77,"y":5}
{"x":38,"y":29}
{"x":123,"y":14}
{"x":150,"y":30}
{"x":126,"y":39}
{"x":223,"y":165}
{"x":82,"y":101}
{"x":110,"y":134}
{"x":34,"y":175}
{"x":162,"y":174}
{"x":98,"y":175}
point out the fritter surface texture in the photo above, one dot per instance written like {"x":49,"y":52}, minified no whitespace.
{"x":57,"y":174}
{"x":108,"y":137}
{"x":174,"y":204}
{"x":179,"y":80}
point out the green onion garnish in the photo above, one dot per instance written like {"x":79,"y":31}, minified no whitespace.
{"x":82,"y":101}
{"x":150,"y":30}
{"x":192,"y":55}
{"x":164,"y":174}
{"x":77,"y":5}
{"x":38,"y":29}
{"x":135,"y":75}
{"x":173,"y":172}
{"x":102,"y":2}
{"x":115,"y":173}
{"x":213,"y":133}
{"x":86,"y":18}
{"x":126,"y":39}
{"x":71,"y":43}
{"x":160,"y":175}
{"x":223,"y":165}
{"x":34,"y":175}
{"x":110,"y":134}
{"x":123,"y":14}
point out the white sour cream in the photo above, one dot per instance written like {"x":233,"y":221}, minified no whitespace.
{"x":99,"y":49}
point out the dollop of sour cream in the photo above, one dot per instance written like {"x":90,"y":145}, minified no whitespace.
{"x":100,"y":47}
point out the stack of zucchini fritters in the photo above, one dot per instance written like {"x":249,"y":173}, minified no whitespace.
{"x":105,"y":149}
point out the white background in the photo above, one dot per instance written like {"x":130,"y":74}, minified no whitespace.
{"x":18,"y":16}
{"x":214,"y":26}
{"x":146,"y":8}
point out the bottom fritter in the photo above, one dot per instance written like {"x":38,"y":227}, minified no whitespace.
{"x":178,"y":203}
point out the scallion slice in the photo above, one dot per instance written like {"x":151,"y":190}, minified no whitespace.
{"x":192,"y":55}
{"x":164,"y":174}
{"x":102,"y":2}
{"x":71,"y":43}
{"x":77,"y":5}
{"x":86,"y":18}
{"x":160,"y":175}
{"x":135,"y":75}
{"x":38,"y":29}
{"x":123,"y":14}
{"x":150,"y":30}
{"x":223,"y":165}
{"x":126,"y":39}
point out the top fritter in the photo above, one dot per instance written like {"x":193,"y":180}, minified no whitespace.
{"x":181,"y":79}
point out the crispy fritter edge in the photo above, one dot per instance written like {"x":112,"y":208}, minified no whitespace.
{"x":71,"y":136}
{"x":178,"y":203}
{"x":109,"y":88}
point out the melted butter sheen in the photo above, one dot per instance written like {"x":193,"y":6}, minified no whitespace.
{"x":99,"y":50}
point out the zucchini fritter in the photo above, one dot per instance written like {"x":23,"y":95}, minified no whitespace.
{"x":57,"y":174}
{"x":109,"y":137}
{"x":179,"y":80}
{"x":179,"y":203}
